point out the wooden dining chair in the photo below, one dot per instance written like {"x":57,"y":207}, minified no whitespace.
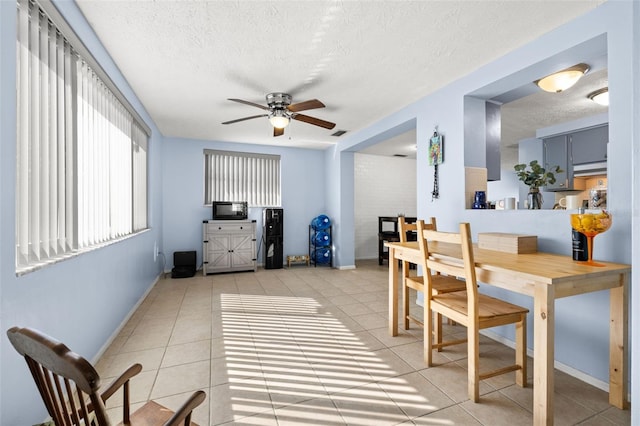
{"x":470,"y":308}
{"x":440,"y":283}
{"x":70,"y":386}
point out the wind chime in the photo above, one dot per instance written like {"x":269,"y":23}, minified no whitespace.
{"x":436,"y":157}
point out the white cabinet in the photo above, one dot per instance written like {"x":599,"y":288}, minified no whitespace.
{"x":228,"y":246}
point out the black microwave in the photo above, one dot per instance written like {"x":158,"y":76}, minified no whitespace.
{"x":230,"y":210}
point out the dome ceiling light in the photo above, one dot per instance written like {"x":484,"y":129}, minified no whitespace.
{"x":562,"y":80}
{"x":600,"y":96}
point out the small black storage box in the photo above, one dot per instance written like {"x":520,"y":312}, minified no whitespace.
{"x":184,"y":264}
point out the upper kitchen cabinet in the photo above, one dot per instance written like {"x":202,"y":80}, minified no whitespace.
{"x":590,"y":145}
{"x":578,"y":153}
{"x":556,"y":153}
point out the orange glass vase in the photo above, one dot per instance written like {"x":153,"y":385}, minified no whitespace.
{"x":590,"y":225}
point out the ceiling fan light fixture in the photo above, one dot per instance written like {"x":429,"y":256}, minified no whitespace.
{"x":562,"y":80}
{"x":600,"y":96}
{"x":279,"y":119}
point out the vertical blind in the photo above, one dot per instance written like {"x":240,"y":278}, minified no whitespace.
{"x":240,"y":176}
{"x":82,"y":162}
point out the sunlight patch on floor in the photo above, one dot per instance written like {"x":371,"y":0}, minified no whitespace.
{"x":297,"y":353}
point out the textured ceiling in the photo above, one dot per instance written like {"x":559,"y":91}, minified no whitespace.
{"x":363,"y":59}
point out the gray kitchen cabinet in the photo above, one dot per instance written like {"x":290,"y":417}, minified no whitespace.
{"x":590,"y":145}
{"x":556,"y":153}
{"x":579,"y":147}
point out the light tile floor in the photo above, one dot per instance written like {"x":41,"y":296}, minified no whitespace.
{"x":309,"y":346}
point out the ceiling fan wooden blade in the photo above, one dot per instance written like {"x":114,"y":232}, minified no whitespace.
{"x":314,"y":121}
{"x":246,"y":118}
{"x":303,"y":106}
{"x":277,"y":131}
{"x":250,"y":103}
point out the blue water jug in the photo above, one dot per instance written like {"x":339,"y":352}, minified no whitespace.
{"x":320,"y":222}
{"x":322,"y":255}
{"x":321,"y":239}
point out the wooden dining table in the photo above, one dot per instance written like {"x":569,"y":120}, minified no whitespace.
{"x":545,"y":277}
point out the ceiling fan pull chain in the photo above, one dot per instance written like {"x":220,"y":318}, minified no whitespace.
{"x":436,"y":192}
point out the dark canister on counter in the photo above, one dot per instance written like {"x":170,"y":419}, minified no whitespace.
{"x":579,"y":244}
{"x":580,"y":249}
{"x":480,"y":200}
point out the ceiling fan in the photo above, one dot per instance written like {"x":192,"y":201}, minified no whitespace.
{"x":281,"y":111}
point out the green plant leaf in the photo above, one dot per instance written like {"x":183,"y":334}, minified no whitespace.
{"x":537,"y":175}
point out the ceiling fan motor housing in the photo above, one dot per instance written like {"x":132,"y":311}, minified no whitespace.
{"x":278,"y":100}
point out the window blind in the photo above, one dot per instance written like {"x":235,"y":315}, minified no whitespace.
{"x":239,"y":176}
{"x":81,"y":153}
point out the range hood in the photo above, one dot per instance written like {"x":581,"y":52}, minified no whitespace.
{"x":590,"y":169}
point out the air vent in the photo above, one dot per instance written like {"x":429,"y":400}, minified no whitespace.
{"x":339,"y":133}
{"x":400,"y":155}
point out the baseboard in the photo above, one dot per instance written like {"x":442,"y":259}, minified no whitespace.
{"x":372,"y":257}
{"x":117,"y":331}
{"x":346,"y":267}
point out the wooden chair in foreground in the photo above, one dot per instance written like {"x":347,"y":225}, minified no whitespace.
{"x":469,"y":308}
{"x":439,"y":283}
{"x":70,"y":386}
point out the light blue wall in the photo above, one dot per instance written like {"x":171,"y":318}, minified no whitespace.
{"x":80,"y":301}
{"x":582,"y":336}
{"x":303,"y":194}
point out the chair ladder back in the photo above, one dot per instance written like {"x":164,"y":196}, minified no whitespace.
{"x":404,"y":227}
{"x":433,"y":262}
{"x":440,"y":263}
{"x":72,"y":403}
{"x":65,"y":404}
{"x":40,"y":376}
{"x":470,"y":274}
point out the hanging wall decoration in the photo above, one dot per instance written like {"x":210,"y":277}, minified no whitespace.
{"x":436,"y":157}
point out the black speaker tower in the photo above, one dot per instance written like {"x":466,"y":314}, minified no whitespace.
{"x":273,"y":227}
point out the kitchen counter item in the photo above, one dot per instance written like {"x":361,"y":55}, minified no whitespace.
{"x":480,"y":200}
{"x":590,"y":225}
{"x":508,"y":243}
{"x":598,"y":198}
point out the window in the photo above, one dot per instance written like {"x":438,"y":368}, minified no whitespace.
{"x":239,"y":176}
{"x":81,"y":148}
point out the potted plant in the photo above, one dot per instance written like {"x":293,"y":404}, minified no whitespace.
{"x":535,"y":177}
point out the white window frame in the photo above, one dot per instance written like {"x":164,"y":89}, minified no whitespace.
{"x":242,"y":176}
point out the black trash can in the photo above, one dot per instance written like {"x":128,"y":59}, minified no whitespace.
{"x":184,"y":264}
